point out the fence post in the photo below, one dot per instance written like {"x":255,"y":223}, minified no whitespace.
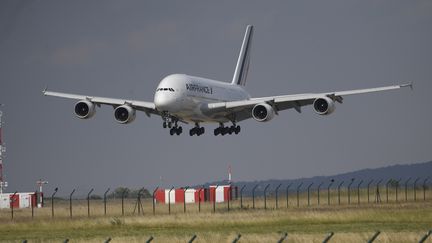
{"x":339,"y":191}
{"x":70,"y":203}
{"x":328,"y":191}
{"x":241,"y":196}
{"x":122,"y":199}
{"x":138,"y":203}
{"x":374,"y":237}
{"x":88,"y":202}
{"x":387,"y":186}
{"x":424,"y":188}
{"x":349,"y":190}
{"x":199,"y":198}
{"x":184,"y":198}
{"x":284,"y":236}
{"x":397,"y":188}
{"x":406,"y":189}
{"x":105,"y":200}
{"x":318,"y":190}
{"x":32,"y":205}
{"x":154,"y":200}
{"x":415,"y":190}
{"x":229,"y":197}
{"x":377,"y":194}
{"x":328,"y":237}
{"x":52,"y":202}
{"x":192,"y":239}
{"x":424,"y":238}
{"x":265,"y":196}
{"x":253,"y":196}
{"x":12,"y":200}
{"x":169,"y":200}
{"x":276,"y":194}
{"x":308,"y":190}
{"x":370,"y":182}
{"x":298,"y":188}
{"x":287,"y":194}
{"x":358,"y":192}
{"x":214,"y":198}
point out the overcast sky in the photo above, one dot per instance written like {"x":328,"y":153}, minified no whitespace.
{"x":122,"y":49}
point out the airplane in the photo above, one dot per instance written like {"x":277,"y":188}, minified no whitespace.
{"x":180,"y":98}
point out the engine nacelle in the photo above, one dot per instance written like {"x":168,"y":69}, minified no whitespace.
{"x":324,"y":106}
{"x":124,"y":114}
{"x":263,"y":112}
{"x":85,"y":109}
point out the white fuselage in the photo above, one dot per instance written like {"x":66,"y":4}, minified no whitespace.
{"x":187,"y":97}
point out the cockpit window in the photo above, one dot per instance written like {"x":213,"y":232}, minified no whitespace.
{"x":165,"y":89}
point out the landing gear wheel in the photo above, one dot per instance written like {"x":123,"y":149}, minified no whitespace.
{"x":192,"y":132}
{"x":164,"y":125}
{"x":179,"y":131}
{"x":169,"y":124}
{"x":172,"y":131}
{"x":237,"y":130}
{"x":217,"y":131}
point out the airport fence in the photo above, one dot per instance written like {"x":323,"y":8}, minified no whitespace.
{"x":260,"y":197}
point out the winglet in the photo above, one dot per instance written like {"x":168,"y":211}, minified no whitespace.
{"x":411,"y":84}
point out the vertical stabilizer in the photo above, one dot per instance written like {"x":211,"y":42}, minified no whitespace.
{"x":240,"y":73}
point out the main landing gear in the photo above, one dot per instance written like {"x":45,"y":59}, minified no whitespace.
{"x":222,"y":130}
{"x":197,"y":130}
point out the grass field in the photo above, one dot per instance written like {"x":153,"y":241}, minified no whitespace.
{"x":398,"y":221}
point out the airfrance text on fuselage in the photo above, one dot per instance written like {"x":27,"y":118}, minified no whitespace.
{"x":199,"y":88}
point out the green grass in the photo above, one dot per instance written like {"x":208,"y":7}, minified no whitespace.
{"x":399,"y":222}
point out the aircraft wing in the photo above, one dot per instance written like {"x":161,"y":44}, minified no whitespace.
{"x":147,"y":107}
{"x":242,"y":109}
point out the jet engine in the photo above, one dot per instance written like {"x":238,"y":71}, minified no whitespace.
{"x":324,"y":106}
{"x":85,"y":109}
{"x":124,"y":114}
{"x":263,"y":112}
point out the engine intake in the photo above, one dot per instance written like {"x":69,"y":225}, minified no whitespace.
{"x":324,"y":106}
{"x":124,"y":114}
{"x":263,"y":112}
{"x":85,"y":109}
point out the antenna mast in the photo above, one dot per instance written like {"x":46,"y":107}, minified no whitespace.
{"x":3,"y":183}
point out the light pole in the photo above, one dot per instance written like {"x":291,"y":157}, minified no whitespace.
{"x":328,"y":191}
{"x":349,"y":190}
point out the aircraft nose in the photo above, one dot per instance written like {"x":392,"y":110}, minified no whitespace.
{"x":164,"y":102}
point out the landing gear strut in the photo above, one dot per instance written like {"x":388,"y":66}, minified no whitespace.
{"x":222,"y":130}
{"x":168,"y":122}
{"x":197,"y":130}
